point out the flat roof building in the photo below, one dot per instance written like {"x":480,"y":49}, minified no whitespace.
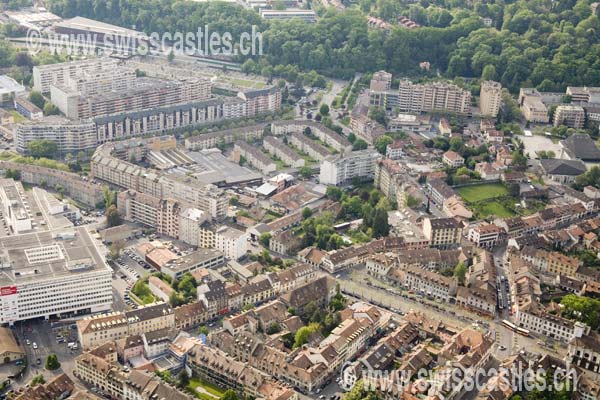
{"x":52,"y":273}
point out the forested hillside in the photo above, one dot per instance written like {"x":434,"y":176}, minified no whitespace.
{"x":542,"y":43}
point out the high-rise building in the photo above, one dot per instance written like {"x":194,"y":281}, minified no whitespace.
{"x":569,"y":115}
{"x":490,"y":98}
{"x":69,"y":136}
{"x":44,"y":76}
{"x":342,"y":170}
{"x":381,"y":81}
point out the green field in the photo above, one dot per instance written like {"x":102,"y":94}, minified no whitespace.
{"x":480,"y":198}
{"x":475,"y":193}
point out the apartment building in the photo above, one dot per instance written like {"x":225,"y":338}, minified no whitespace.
{"x":417,"y":98}
{"x":202,"y":258}
{"x":532,"y":106}
{"x":97,"y":371}
{"x":439,"y":191}
{"x":280,"y":150}
{"x":163,"y":119}
{"x":190,"y":220}
{"x":477,"y":299}
{"x":490,"y":98}
{"x":584,"y":352}
{"x":424,"y":282}
{"x":253,"y":156}
{"x":15,"y":215}
{"x":144,"y":94}
{"x":231,"y":241}
{"x":343,"y":169}
{"x":442,"y":232}
{"x":326,"y":135}
{"x":535,"y":318}
{"x":261,"y":101}
{"x":54,"y":273}
{"x":69,"y":136}
{"x":77,"y":187}
{"x":386,"y":173}
{"x":219,"y":138}
{"x":306,"y":145}
{"x":551,"y":262}
{"x":583,"y":94}
{"x":45,"y":76}
{"x":98,"y":329}
{"x":569,"y":115}
{"x":381,"y":81}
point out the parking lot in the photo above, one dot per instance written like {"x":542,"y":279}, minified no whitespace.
{"x":41,"y":338}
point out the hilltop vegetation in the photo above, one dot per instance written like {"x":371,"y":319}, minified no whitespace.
{"x":542,"y":43}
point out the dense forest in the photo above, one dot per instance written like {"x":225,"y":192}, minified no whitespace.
{"x":543,"y":43}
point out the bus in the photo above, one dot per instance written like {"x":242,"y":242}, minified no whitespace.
{"x":514,"y":328}
{"x":523,"y":331}
{"x":509,"y":325}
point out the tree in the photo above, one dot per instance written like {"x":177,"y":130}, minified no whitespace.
{"x":52,"y":363}
{"x":176,"y":299}
{"x":460,"y":272}
{"x":305,"y":172}
{"x":382,"y":142}
{"x":36,"y":98}
{"x":51,"y":109}
{"x":229,"y":395}
{"x":335,"y":193}
{"x":324,"y":110}
{"x":183,"y":379}
{"x":359,"y":144}
{"x":203,"y":330}
{"x":584,"y":309}
{"x":38,"y":380}
{"x":306,"y":213}
{"x":273,"y":328}
{"x":112,"y":216}
{"x":378,"y":114}
{"x":265,"y":239}
{"x":303,"y":334}
{"x":381,"y":226}
{"x":489,"y":73}
{"x":42,"y":148}
{"x":114,"y":251}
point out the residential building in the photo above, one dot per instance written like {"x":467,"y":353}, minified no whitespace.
{"x":253,"y":156}
{"x":45,"y":76}
{"x":424,"y":282}
{"x":196,"y":260}
{"x":261,"y":101}
{"x":9,"y":90}
{"x":419,"y":124}
{"x":569,"y":115}
{"x":386,"y":172}
{"x":453,"y":159}
{"x":584,"y":352}
{"x":439,"y":191}
{"x":417,"y":98}
{"x":343,"y":169}
{"x":490,"y":98}
{"x":190,"y":220}
{"x":306,"y":145}
{"x":280,"y":150}
{"x":160,"y":288}
{"x":381,"y":81}
{"x":231,"y":241}
{"x":326,"y":135}
{"x":442,"y":232}
{"x":69,"y":136}
{"x":219,"y":138}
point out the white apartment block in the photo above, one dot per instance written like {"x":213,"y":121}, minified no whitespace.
{"x":44,"y":76}
{"x":231,"y":242}
{"x":490,"y":98}
{"x":190,"y":220}
{"x":537,"y":320}
{"x":532,"y":106}
{"x":69,"y":136}
{"x":280,"y":150}
{"x":416,"y":98}
{"x":342,"y":170}
{"x":16,"y":214}
{"x":326,"y":135}
{"x":569,"y":115}
{"x":52,"y":274}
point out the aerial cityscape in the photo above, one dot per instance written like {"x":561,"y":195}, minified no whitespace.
{"x":299,"y":199}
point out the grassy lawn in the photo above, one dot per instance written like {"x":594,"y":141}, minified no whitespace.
{"x":18,"y":117}
{"x":475,"y":193}
{"x":486,"y":209}
{"x":215,"y":391}
{"x":247,"y":83}
{"x":280,"y":164}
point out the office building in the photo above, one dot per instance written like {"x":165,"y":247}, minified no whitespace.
{"x":27,"y":109}
{"x":490,"y":98}
{"x":532,"y":106}
{"x":343,"y":169}
{"x":52,"y":273}
{"x":16,"y":214}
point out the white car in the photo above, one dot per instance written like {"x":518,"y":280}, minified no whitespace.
{"x":34,"y":345}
